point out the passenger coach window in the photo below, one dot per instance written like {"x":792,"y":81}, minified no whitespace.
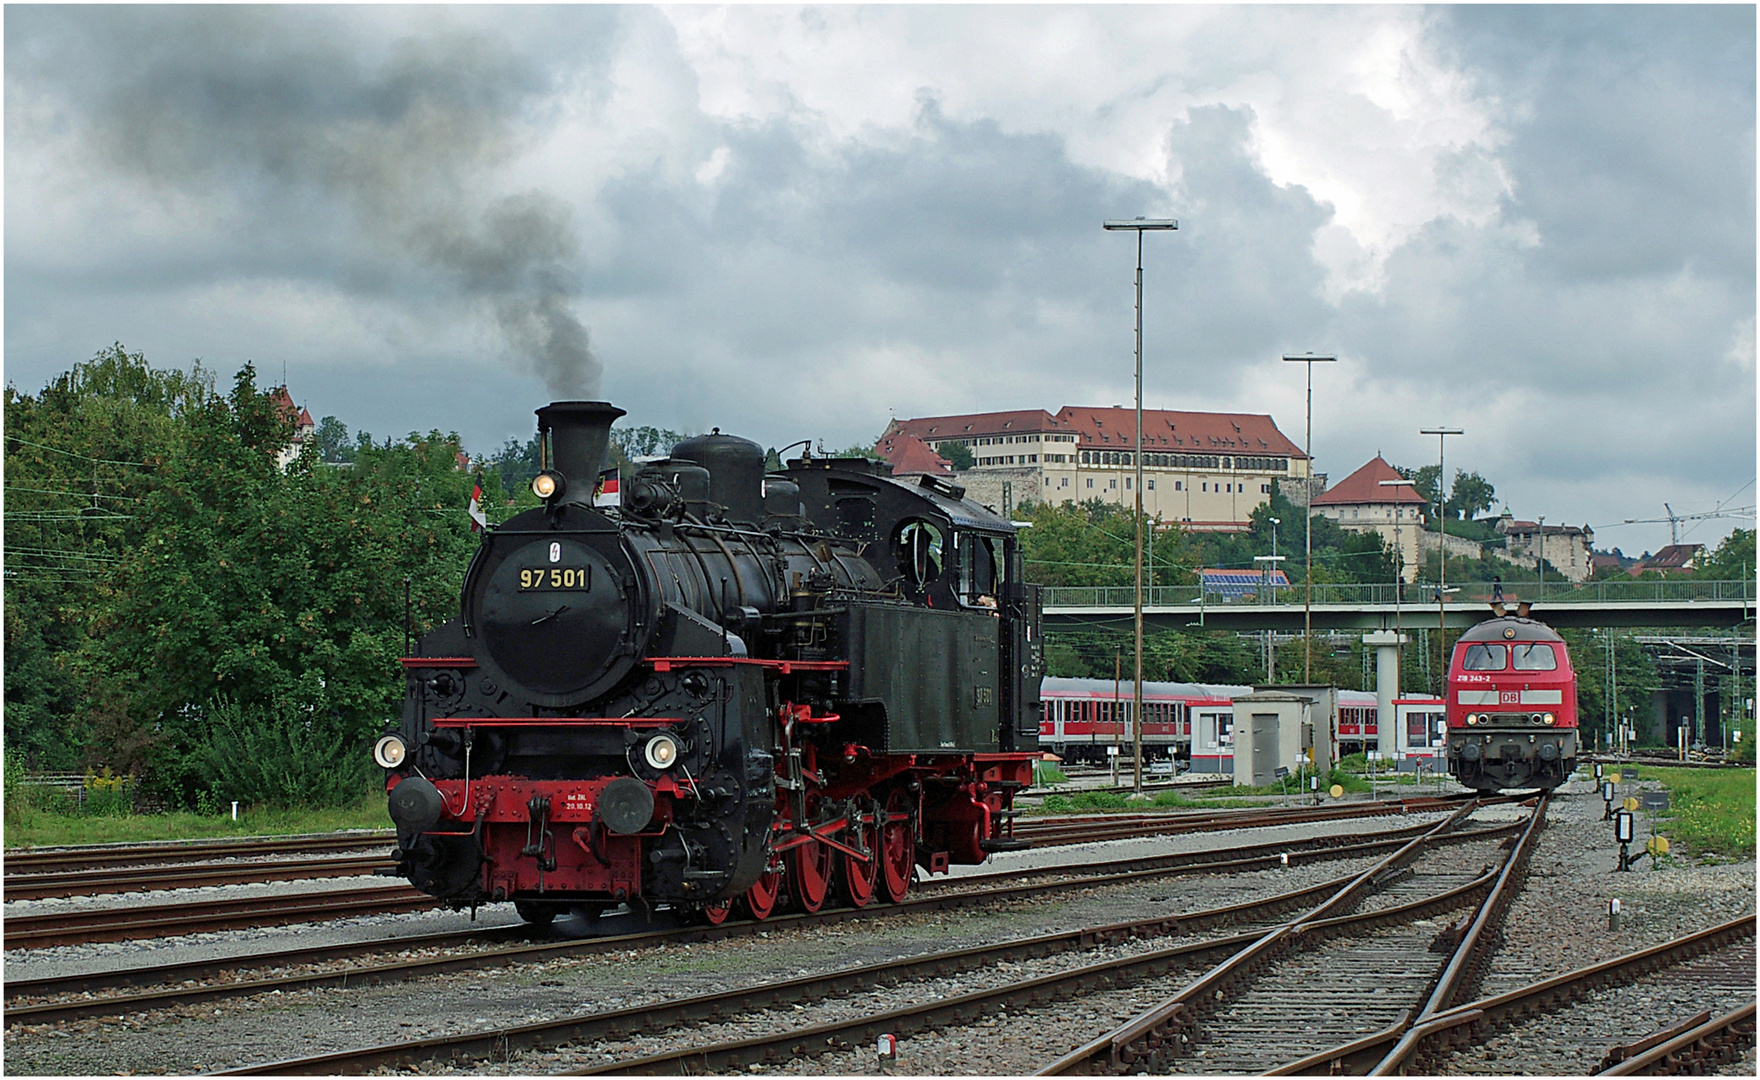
{"x":1538,"y":657}
{"x":1483,"y":658}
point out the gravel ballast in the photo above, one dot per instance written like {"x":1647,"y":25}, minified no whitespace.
{"x":1559,"y":923}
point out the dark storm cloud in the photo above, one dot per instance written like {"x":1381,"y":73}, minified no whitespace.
{"x":965,"y":240}
{"x":296,"y":113}
{"x":1596,"y":328}
{"x":1243,"y":277}
{"x":1631,"y":131}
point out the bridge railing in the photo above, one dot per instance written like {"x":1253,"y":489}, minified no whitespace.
{"x":1472,"y":593}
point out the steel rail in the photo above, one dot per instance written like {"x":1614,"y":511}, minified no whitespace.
{"x":133,"y":879}
{"x":60,"y":859}
{"x":1138,"y":1044}
{"x":84,"y":1007}
{"x":1466,"y":964}
{"x":1467,"y":1023}
{"x":167,"y":920}
{"x":1711,"y":1043}
{"x":966,"y":1007}
{"x":625,"y":1022}
{"x":55,"y":873}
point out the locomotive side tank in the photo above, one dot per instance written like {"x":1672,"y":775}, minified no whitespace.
{"x":1512,"y":706}
{"x":733,"y":687}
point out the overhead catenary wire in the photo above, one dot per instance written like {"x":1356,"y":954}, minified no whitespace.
{"x":82,"y":457}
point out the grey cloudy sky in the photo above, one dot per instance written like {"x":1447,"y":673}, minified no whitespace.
{"x":1534,"y":223}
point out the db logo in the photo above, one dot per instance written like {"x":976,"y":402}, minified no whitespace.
{"x":1510,"y":697}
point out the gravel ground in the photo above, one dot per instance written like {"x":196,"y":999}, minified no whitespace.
{"x":83,"y":959}
{"x":274,"y":1027}
{"x":1560,"y":924}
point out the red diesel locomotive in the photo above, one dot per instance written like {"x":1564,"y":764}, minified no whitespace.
{"x":1512,"y":706}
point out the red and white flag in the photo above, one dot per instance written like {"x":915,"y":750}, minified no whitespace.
{"x":606,"y":493}
{"x":478,"y":520}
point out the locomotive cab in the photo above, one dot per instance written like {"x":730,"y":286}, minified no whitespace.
{"x":1512,"y":706}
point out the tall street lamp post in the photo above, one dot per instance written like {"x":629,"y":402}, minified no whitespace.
{"x":1139,"y":226}
{"x":1441,"y":433}
{"x":1308,"y":543}
{"x":1399,"y":551}
{"x":1540,"y":563}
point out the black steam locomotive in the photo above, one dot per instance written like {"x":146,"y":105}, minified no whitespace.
{"x":732,"y":688}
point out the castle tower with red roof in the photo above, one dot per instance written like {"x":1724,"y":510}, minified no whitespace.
{"x":1362,"y":503}
{"x":303,"y":428}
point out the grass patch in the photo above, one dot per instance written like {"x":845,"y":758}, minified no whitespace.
{"x":1711,"y":811}
{"x":34,"y":826}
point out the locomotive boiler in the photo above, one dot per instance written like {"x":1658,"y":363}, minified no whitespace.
{"x":734,"y":688}
{"x":1512,"y":706}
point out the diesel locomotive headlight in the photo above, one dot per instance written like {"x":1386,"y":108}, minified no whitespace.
{"x":547,"y":484}
{"x":661,"y":751}
{"x":1472,"y":718}
{"x":390,"y":752}
{"x":1549,"y":719}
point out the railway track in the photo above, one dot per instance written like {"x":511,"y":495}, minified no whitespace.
{"x":82,"y":872}
{"x":193,"y":917}
{"x":1162,"y":1038}
{"x":60,"y":999}
{"x":1580,"y":1014}
{"x":133,"y":879}
{"x":1147,"y":962}
{"x":57,"y":860}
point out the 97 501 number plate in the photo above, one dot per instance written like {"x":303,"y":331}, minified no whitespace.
{"x":556,"y":578}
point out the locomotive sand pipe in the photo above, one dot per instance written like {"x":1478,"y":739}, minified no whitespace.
{"x":579,"y":432}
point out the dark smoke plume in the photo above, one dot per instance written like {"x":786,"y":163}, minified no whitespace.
{"x":299,"y":112}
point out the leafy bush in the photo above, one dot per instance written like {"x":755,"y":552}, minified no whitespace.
{"x":276,"y":754}
{"x":108,"y":795}
{"x":1743,"y":750}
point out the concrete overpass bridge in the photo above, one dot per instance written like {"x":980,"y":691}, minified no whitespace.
{"x":1672,"y":602}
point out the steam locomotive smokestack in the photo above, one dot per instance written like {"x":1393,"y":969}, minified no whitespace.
{"x":579,"y":433}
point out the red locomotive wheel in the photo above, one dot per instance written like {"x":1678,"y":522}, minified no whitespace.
{"x":716,"y":914}
{"x":898,"y":847}
{"x":858,"y":879}
{"x":809,"y":875}
{"x":760,"y":900}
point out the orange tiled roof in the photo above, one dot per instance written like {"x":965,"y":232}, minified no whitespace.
{"x":910,"y":456}
{"x":1364,"y":486}
{"x":1163,"y":429}
{"x":1167,"y":430}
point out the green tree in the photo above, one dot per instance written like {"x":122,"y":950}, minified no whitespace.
{"x":1733,"y":560}
{"x":1090,"y":543}
{"x":81,"y":458}
{"x":958,"y":454}
{"x":174,"y":600}
{"x":1471,"y":495}
{"x":334,"y":446}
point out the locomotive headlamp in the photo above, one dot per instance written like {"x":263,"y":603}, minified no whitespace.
{"x":389,"y":752}
{"x":1472,"y":718}
{"x":1549,"y":719}
{"x":548,"y":484}
{"x":661,"y":751}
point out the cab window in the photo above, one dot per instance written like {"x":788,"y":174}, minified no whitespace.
{"x":1534,"y":657}
{"x":1483,"y":658}
{"x":917,"y":549}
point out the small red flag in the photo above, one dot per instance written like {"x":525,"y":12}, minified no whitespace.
{"x":478,"y":520}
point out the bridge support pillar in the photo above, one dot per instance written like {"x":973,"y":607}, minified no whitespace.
{"x":1387,"y":644}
